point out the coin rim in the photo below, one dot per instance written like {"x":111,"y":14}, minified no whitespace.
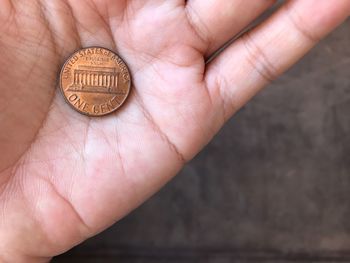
{"x":83,"y":112}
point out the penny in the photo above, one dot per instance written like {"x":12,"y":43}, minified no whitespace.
{"x":95,"y":81}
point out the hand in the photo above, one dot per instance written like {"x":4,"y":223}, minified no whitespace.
{"x":64,"y":176}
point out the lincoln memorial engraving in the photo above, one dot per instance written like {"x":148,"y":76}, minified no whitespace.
{"x":95,"y":79}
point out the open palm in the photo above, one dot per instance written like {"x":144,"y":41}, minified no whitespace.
{"x":64,"y":176}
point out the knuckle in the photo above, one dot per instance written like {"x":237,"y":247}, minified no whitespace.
{"x":297,"y":22}
{"x":258,"y":59}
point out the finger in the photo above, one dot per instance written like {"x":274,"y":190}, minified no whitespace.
{"x":110,"y":8}
{"x":217,"y":21}
{"x":93,"y":18}
{"x":270,"y":49}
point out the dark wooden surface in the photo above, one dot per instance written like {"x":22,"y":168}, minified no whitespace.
{"x":273,"y":186}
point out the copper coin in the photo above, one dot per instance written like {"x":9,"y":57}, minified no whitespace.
{"x":95,"y":81}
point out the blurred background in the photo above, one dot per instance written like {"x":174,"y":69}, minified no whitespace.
{"x":273,"y":186}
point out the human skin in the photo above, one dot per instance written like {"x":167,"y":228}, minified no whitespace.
{"x":65,"y":177}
